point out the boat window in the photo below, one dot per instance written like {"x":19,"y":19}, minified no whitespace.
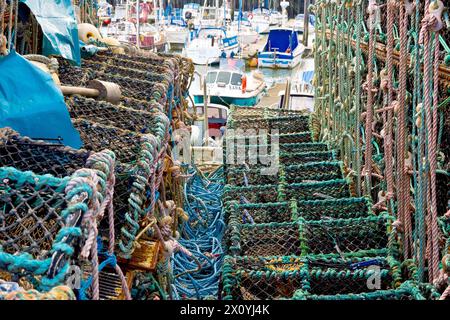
{"x":224,"y":77}
{"x":211,"y":77}
{"x":236,"y":79}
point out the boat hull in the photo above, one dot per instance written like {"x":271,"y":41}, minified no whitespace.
{"x":241,"y":102}
{"x":278,"y":60}
{"x":204,"y":56}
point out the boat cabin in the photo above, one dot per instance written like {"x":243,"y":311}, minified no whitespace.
{"x":281,"y":40}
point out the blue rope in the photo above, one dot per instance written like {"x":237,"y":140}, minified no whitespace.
{"x":202,"y":235}
{"x":110,"y":259}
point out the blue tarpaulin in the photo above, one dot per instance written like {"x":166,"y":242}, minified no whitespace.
{"x":59,"y":25}
{"x":32,"y":104}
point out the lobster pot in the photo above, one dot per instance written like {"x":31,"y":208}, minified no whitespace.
{"x":240,"y":113}
{"x":366,"y":236}
{"x":141,"y":105}
{"x":347,"y":208}
{"x":299,"y":191}
{"x":108,"y":114}
{"x":136,"y":88}
{"x":281,"y":124}
{"x":260,"y":212}
{"x":242,"y":146}
{"x":140,"y":158}
{"x":40,"y":209}
{"x":291,"y":277}
{"x":70,"y":75}
{"x":296,"y":173}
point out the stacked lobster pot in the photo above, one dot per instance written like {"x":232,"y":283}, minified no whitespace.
{"x":52,"y":199}
{"x":137,"y":128}
{"x":295,"y":230}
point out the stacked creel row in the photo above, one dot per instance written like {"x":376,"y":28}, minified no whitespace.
{"x":298,"y":233}
{"x":138,"y":130}
{"x":382,"y":97}
{"x":52,"y":198}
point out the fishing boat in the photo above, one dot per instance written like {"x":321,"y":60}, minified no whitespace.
{"x":210,"y":44}
{"x":230,"y":85}
{"x":282,"y":50}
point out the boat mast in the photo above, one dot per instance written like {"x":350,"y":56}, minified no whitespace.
{"x":305,"y":23}
{"x":138,"y":24}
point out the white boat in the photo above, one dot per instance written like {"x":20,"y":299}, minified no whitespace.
{"x":229,"y":85}
{"x":299,"y":23}
{"x":245,"y":32}
{"x":260,"y":20}
{"x":176,"y":30}
{"x":207,"y":145}
{"x":210,"y":44}
{"x":276,"y":18}
{"x":125,"y":32}
{"x":282,"y":50}
{"x":191,"y":11}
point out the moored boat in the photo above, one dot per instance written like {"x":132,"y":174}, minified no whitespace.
{"x":282,"y":50}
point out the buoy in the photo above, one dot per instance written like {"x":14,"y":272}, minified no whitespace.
{"x":253,"y":63}
{"x":244,"y":83}
{"x":87,"y":31}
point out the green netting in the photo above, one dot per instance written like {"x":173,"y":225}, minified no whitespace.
{"x":364,"y":236}
{"x":42,"y":212}
{"x":301,"y":191}
{"x":239,"y":113}
{"x":287,"y":124}
{"x":346,"y":208}
{"x":108,"y":114}
{"x":291,"y":277}
{"x":296,"y":173}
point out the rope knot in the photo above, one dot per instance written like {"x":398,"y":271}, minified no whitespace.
{"x":398,"y":226}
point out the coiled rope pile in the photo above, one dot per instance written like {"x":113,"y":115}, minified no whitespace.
{"x":202,"y":236}
{"x":382,"y":94}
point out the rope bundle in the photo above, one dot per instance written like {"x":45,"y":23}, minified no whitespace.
{"x":391,"y":58}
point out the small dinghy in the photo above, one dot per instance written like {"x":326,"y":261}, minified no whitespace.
{"x":282,"y":49}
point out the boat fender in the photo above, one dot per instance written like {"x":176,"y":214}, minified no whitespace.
{"x":244,"y":83}
{"x":436,"y":9}
{"x":250,"y":16}
{"x":223,"y":55}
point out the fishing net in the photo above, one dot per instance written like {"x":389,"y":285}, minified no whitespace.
{"x":291,"y":277}
{"x":105,"y":113}
{"x":273,"y":193}
{"x":282,"y":124}
{"x":296,"y":173}
{"x":239,"y":113}
{"x":42,"y":213}
{"x":347,"y":208}
{"x":364,"y":236}
{"x":138,"y":171}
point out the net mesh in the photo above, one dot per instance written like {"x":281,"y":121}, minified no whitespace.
{"x":298,"y":233}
